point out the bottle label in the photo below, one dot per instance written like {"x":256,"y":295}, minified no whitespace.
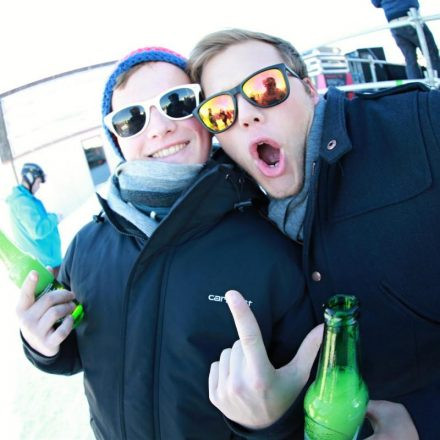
{"x":329,"y":434}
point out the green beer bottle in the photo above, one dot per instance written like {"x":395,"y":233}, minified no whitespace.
{"x":336,"y":402}
{"x":19,"y":264}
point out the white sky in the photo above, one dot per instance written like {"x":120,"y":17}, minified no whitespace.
{"x":39,"y":38}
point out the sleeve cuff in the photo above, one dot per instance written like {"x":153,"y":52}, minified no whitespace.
{"x":290,"y":426}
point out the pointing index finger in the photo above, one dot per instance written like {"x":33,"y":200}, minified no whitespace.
{"x":248,"y":330}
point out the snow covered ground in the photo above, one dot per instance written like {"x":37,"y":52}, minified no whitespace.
{"x":36,"y":405}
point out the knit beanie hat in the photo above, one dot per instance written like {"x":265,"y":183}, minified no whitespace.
{"x":138,"y":56}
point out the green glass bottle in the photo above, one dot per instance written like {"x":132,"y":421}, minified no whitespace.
{"x":19,"y":264}
{"x":336,"y":402}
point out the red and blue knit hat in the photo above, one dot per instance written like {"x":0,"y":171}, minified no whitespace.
{"x":138,"y":56}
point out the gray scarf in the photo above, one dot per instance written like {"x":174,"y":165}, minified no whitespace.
{"x":143,"y":191}
{"x":289,"y":213}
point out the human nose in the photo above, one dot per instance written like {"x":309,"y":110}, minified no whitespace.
{"x":159,"y":125}
{"x":248,"y":114}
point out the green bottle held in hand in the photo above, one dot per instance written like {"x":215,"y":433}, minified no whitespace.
{"x":336,"y":402}
{"x":19,"y":264}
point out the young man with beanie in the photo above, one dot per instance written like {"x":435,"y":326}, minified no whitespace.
{"x":355,"y":184}
{"x":406,"y":36}
{"x":35,"y":230}
{"x":177,"y":231}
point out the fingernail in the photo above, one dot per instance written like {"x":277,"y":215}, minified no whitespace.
{"x":33,"y":275}
{"x":231,"y":296}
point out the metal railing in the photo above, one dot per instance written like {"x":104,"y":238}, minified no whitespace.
{"x":414,"y":19}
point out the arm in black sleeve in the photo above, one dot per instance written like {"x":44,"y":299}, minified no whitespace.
{"x":290,"y":426}
{"x":66,"y":361}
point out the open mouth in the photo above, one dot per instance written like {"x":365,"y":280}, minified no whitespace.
{"x":269,"y":157}
{"x":169,"y":151}
{"x":268,"y":154}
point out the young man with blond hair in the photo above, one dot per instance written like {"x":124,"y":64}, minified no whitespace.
{"x":356,"y":184}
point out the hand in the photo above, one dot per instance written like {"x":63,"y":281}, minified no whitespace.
{"x":37,"y":318}
{"x":390,"y":421}
{"x":244,"y":385}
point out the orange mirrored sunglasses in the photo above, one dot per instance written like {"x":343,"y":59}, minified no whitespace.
{"x":265,"y":88}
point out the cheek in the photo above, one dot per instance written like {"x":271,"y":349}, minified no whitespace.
{"x":193,"y":125}
{"x":229,"y":144}
{"x":130,"y":147}
{"x":299,"y":109}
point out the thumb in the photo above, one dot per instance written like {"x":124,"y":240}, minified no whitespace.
{"x":27,"y":295}
{"x":374,"y":410}
{"x":390,"y":420}
{"x":299,"y":367}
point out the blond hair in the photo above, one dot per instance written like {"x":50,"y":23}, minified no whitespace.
{"x":212,"y":44}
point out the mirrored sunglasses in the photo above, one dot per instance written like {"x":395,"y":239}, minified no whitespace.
{"x":265,"y":88}
{"x":177,"y":104}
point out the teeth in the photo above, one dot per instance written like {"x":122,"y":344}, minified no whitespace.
{"x":274,"y":165}
{"x":169,"y":151}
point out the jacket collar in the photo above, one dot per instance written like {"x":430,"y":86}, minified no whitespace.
{"x":335,"y":142}
{"x":220,"y":188}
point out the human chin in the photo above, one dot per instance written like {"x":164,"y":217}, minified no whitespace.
{"x":288,"y":185}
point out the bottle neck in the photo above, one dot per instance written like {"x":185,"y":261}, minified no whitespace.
{"x":340,"y":348}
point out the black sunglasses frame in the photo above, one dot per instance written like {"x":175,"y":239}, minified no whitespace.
{"x":239,"y":90}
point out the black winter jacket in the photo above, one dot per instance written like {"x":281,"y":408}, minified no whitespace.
{"x":155,"y":312}
{"x":372,"y":229}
